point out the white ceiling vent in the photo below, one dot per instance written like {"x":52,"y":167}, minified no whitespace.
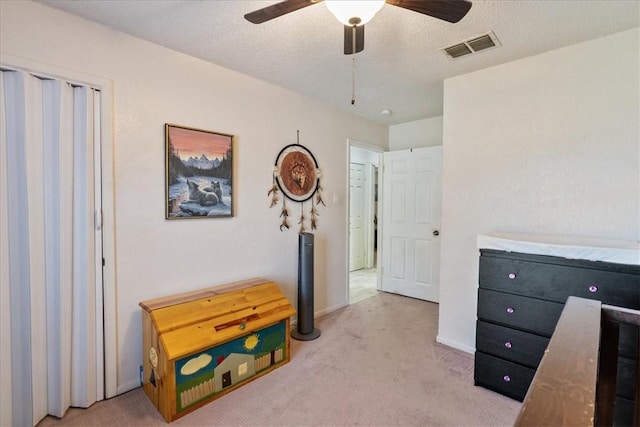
{"x":471,"y":45}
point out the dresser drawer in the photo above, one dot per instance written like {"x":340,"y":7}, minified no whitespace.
{"x":625,"y":384}
{"x":623,"y":412}
{"x":510,"y":344}
{"x":529,"y":314}
{"x":557,"y":282}
{"x":505,"y":377}
{"x":628,"y":341}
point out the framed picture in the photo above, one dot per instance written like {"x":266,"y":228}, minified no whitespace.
{"x":199,"y":173}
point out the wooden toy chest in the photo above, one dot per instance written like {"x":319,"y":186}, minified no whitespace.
{"x":200,"y":345}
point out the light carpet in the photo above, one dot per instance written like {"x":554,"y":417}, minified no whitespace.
{"x":375,"y":364}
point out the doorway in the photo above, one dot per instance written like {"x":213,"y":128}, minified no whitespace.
{"x":363,"y":222}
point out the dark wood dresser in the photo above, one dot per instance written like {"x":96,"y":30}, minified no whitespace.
{"x":520,"y":298}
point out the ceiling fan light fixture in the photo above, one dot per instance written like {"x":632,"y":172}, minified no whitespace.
{"x":354,"y":12}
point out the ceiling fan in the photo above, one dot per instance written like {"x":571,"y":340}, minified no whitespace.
{"x":355,"y":13}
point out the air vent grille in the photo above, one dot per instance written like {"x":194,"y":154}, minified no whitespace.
{"x":457,"y":50}
{"x":472,"y":45}
{"x":481,"y":43}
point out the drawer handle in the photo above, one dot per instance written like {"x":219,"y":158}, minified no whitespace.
{"x":510,"y":310}
{"x":506,"y":378}
{"x":593,"y":289}
{"x":508,"y":344}
{"x":512,"y":276}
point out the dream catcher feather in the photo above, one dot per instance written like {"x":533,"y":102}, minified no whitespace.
{"x":297,"y":176}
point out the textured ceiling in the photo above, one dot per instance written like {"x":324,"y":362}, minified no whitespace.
{"x":401,"y":68}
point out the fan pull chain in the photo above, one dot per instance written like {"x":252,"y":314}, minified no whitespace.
{"x":353,"y":81}
{"x":353,"y":66}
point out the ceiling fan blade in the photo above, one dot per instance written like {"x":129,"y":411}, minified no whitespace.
{"x":275,"y":10}
{"x":447,"y":10}
{"x":353,"y":38}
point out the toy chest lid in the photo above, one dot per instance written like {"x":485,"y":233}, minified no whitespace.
{"x":188,"y":322}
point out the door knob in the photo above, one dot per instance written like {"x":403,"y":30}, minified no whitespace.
{"x":436,"y":233}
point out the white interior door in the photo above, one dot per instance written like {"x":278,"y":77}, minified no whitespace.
{"x":356,"y":217}
{"x":412,"y":184}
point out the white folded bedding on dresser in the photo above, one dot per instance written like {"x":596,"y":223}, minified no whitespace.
{"x":572,"y":247}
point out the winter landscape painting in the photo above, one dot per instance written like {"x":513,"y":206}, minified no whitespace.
{"x":199,"y":173}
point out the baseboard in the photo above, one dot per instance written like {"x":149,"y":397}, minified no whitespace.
{"x":455,"y":344}
{"x":320,"y":313}
{"x":329,"y":310}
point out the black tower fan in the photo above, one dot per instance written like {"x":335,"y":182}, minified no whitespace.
{"x":305,"y":330}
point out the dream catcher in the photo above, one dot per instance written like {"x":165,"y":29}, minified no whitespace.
{"x":296,"y":175}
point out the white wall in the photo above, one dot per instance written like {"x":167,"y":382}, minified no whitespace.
{"x":420,"y":133}
{"x":363,"y":156}
{"x":154,"y":86}
{"x":547,"y":144}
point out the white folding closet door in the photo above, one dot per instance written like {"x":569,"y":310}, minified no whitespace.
{"x":49,"y":147}
{"x":20,"y":400}
{"x":83,"y":332}
{"x":6,"y":370}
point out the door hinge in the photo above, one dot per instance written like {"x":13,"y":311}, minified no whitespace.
{"x":103,"y":262}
